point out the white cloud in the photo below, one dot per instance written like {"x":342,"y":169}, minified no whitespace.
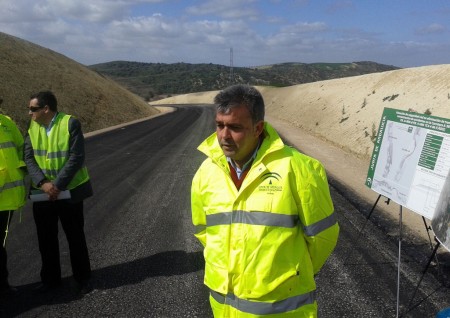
{"x":434,"y":28}
{"x":305,"y":27}
{"x":171,"y":31}
{"x":87,"y":11}
{"x":229,"y":9}
{"x":75,"y":10}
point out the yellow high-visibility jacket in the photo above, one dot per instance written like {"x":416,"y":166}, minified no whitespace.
{"x":12,"y":187}
{"x":52,"y":152}
{"x":264,"y":243}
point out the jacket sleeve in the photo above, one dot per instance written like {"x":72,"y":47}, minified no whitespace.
{"x":317,"y":215}
{"x":76,"y":155}
{"x":198,"y":214}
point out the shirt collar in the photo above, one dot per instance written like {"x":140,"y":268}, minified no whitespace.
{"x":49,"y":127}
{"x":247,"y":164}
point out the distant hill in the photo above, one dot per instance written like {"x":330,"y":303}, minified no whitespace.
{"x":99,"y":102}
{"x":150,"y":80}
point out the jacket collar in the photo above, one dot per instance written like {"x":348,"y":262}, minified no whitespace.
{"x":272,"y":142}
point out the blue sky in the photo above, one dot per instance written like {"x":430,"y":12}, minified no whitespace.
{"x":404,"y":33}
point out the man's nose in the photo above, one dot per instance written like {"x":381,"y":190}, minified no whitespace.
{"x":226,"y":133}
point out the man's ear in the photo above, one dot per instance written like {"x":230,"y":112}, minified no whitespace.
{"x":259,"y":127}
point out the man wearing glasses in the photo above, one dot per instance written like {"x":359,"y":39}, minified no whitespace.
{"x":54,"y":155}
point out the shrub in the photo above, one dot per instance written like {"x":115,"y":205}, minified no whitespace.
{"x":364,"y":103}
{"x":373,"y":137}
{"x":390,"y":98}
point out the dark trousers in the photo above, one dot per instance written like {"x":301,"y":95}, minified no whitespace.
{"x":46,"y":215}
{"x":5,"y":219}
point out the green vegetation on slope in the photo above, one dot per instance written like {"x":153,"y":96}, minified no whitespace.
{"x":149,"y":80}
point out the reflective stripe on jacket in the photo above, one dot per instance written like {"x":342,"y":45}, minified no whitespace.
{"x":264,"y":243}
{"x":52,"y":152}
{"x":12,"y":187}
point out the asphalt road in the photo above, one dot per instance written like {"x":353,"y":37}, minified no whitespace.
{"x":146,"y":261}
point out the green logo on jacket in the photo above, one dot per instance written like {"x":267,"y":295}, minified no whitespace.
{"x":270,"y":182}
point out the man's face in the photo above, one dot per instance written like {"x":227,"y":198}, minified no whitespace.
{"x":237,"y":134}
{"x":37,"y":113}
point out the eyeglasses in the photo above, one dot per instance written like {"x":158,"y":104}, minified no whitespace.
{"x":34,"y":109}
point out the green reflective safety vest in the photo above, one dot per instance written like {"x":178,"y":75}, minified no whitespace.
{"x":52,"y":152}
{"x":265,"y":242}
{"x":12,"y":187}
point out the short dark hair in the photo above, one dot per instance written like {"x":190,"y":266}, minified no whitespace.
{"x":241,"y":95}
{"x":46,"y":98}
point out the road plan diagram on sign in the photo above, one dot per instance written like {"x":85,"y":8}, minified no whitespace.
{"x":399,"y":155}
{"x":411,"y":160}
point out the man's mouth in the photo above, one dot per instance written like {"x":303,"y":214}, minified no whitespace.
{"x":227,"y":146}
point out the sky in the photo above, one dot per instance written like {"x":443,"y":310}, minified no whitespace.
{"x":242,"y":33}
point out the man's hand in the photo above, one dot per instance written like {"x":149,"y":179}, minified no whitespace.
{"x":51,"y":190}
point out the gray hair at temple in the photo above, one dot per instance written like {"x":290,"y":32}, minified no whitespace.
{"x":241,"y":95}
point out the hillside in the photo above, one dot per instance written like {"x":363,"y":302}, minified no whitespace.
{"x":97,"y":101}
{"x":150,"y":80}
{"x":346,"y":112}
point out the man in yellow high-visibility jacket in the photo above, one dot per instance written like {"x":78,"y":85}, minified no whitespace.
{"x":263,"y":213}
{"x":54,"y":154}
{"x":12,"y":188}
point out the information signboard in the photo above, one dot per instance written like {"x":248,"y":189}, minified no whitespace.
{"x":411,"y":159}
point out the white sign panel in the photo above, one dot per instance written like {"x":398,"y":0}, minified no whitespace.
{"x":411,"y":159}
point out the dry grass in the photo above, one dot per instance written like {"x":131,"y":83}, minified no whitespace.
{"x":98,"y":102}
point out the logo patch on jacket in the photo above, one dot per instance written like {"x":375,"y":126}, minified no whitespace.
{"x":270,"y":182}
{"x":5,"y":129}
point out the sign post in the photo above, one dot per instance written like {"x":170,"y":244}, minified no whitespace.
{"x":410,"y":165}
